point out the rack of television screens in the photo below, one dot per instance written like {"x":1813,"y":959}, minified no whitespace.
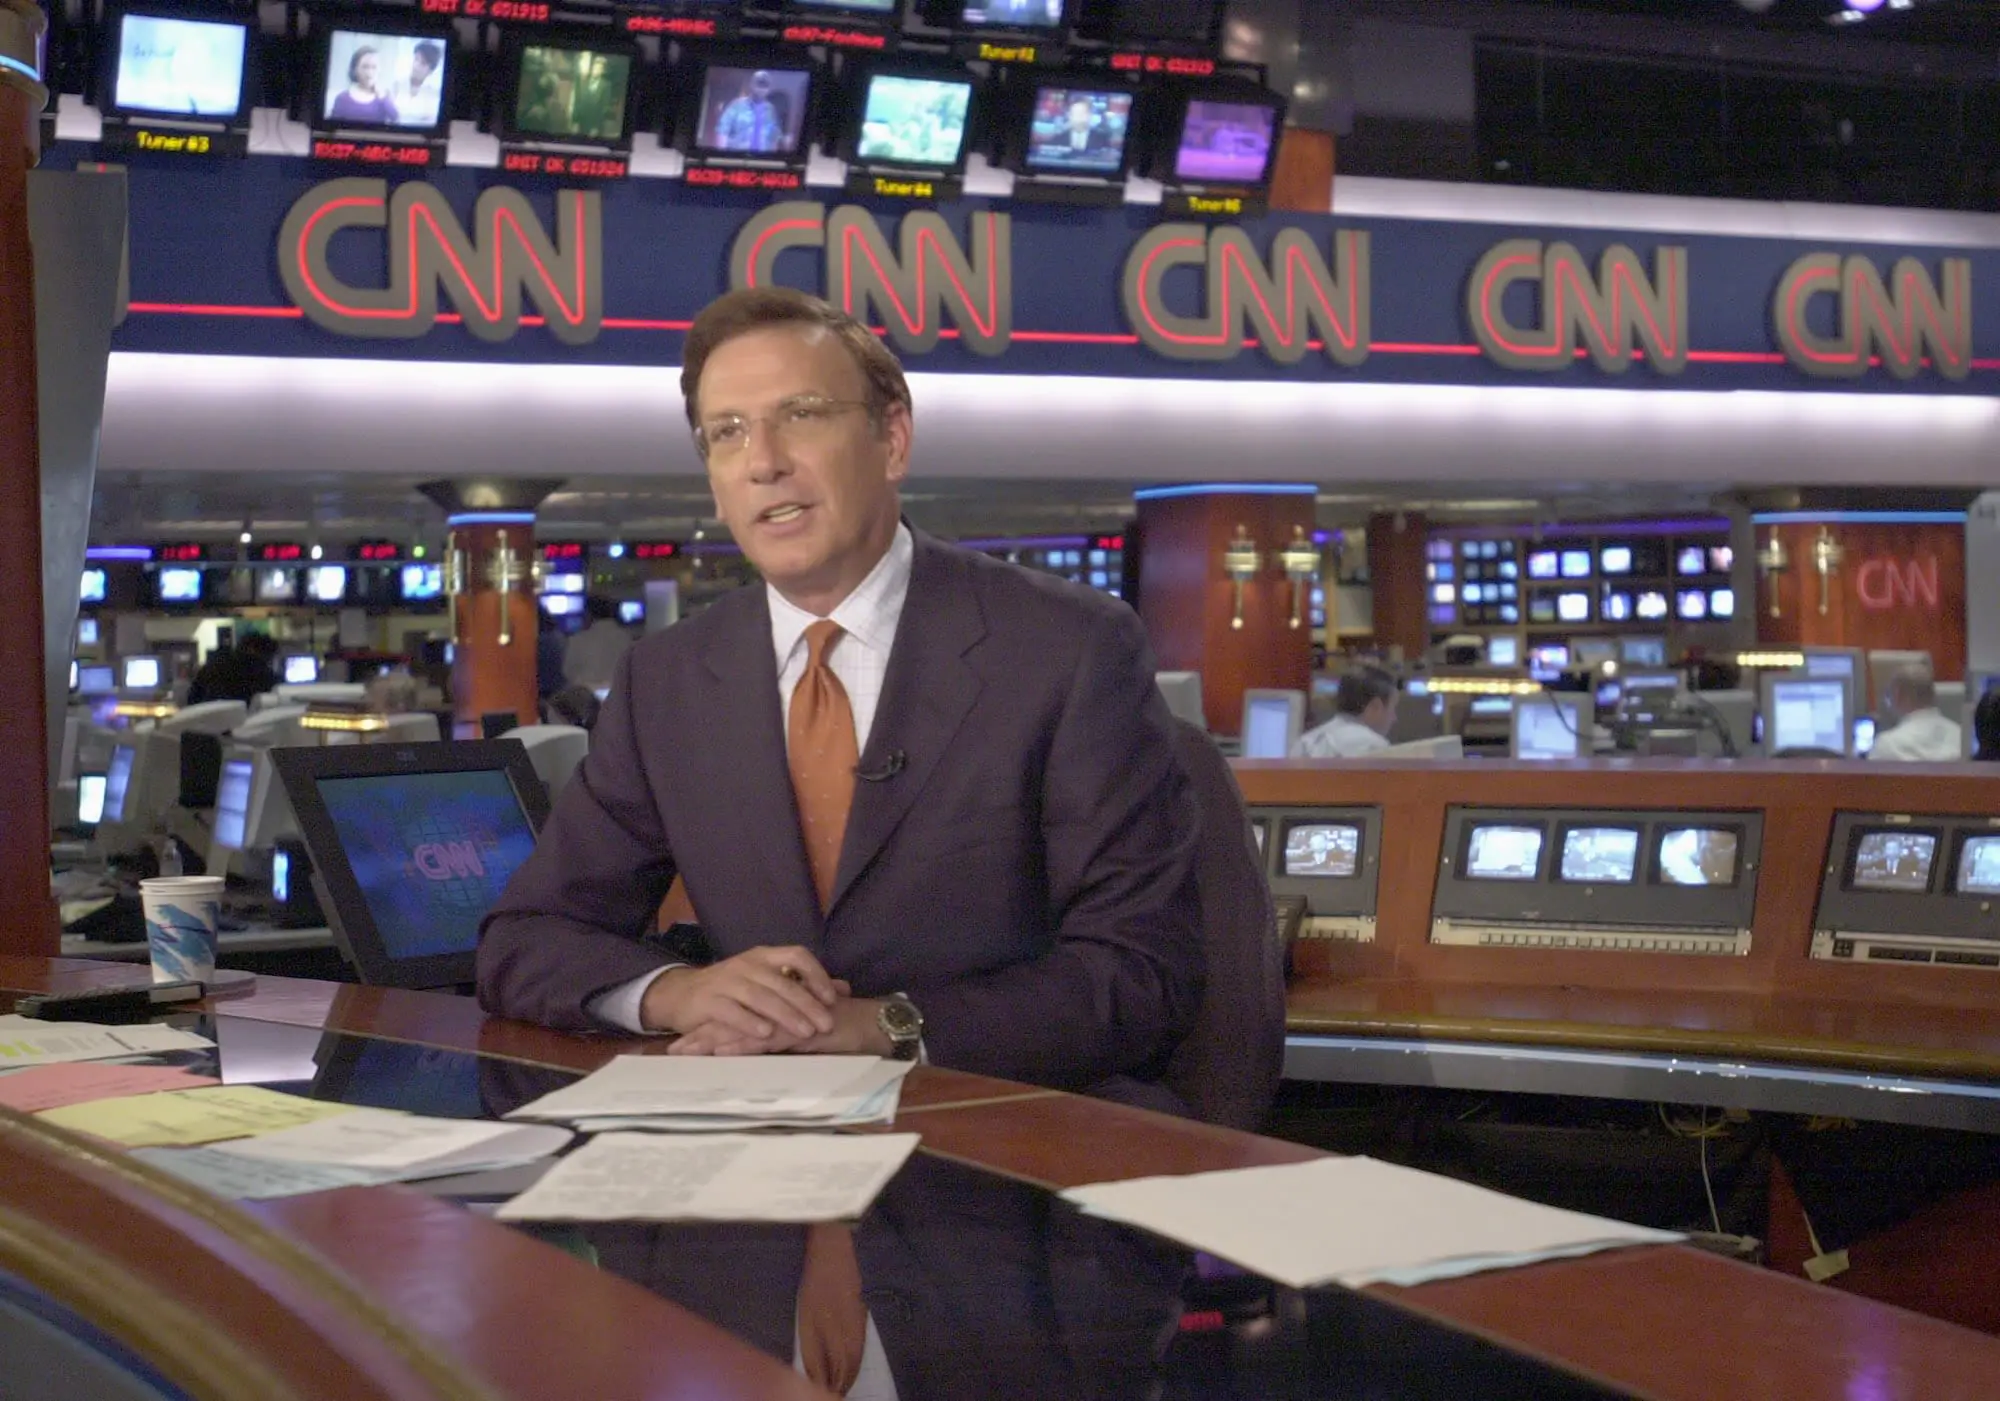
{"x":187,"y":576}
{"x":1328,"y":856}
{"x":1097,"y":561}
{"x":1070,"y":95}
{"x":1906,"y":888}
{"x":1634,"y":578}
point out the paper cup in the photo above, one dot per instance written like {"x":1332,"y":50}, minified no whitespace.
{"x":182,"y":913}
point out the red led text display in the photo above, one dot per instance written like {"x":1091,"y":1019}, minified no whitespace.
{"x":654,"y":549}
{"x":834,"y":36}
{"x":377,"y":551}
{"x":390,"y":153}
{"x":678,"y":26}
{"x":518,"y":11}
{"x":1163,"y":63}
{"x":1107,"y":542}
{"x":181,"y":554}
{"x":580,"y":167}
{"x":277,"y":552}
{"x":563,"y":551}
{"x":739,"y":178}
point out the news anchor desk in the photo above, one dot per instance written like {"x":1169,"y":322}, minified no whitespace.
{"x":386,"y":1292}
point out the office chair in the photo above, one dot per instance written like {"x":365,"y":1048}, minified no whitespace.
{"x":1228,"y":1068}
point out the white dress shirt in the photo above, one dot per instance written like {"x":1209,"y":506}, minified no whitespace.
{"x":869,"y":617}
{"x":1342,"y":737}
{"x":1923,"y":737}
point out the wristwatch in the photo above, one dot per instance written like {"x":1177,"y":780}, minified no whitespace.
{"x":903,"y":1024}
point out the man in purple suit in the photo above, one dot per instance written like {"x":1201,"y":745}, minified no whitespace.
{"x":989,"y":864}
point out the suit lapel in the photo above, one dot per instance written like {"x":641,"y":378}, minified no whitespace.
{"x":926,"y":695}
{"x":741,"y":727}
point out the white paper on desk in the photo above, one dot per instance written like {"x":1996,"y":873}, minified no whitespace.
{"x":1353,"y":1221}
{"x":716,"y":1177}
{"x":762,"y":1087}
{"x":878,"y":1108}
{"x":232,"y":1175}
{"x":381,"y":1139}
{"x":25,"y":1041}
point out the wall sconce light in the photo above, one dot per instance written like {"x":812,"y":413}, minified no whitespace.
{"x":1240,"y":561}
{"x":455,"y":579}
{"x":1301,"y":561}
{"x":1826,"y":555}
{"x":1772,"y":561}
{"x":507,"y":573}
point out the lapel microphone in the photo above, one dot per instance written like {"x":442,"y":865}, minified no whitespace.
{"x":893,"y":765}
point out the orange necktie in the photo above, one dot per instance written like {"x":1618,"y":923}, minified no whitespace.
{"x":832,"y":1319}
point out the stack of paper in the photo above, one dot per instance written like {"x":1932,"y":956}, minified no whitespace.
{"x":708,"y":1094}
{"x":1353,"y":1221}
{"x":361,"y":1147}
{"x":26,"y":1041}
{"x":716,"y":1177}
{"x":184,"y":1117}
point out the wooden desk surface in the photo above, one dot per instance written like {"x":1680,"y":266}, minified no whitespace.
{"x":1837,"y":1033}
{"x":1668,"y":1324}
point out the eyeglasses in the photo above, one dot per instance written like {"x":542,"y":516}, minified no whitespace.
{"x":798,"y":421}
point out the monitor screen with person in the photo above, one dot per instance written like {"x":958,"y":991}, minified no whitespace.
{"x":414,"y":842}
{"x":1327,"y":850}
{"x":1806,"y":713}
{"x":385,"y":81}
{"x":1500,"y":851}
{"x":1078,"y":130}
{"x":754,"y":110}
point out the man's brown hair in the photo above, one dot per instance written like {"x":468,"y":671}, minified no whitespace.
{"x":756,"y":308}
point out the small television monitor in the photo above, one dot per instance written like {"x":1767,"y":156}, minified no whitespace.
{"x":1552,"y":726}
{"x":753,"y":109}
{"x":326,"y":583}
{"x":1573,"y":606}
{"x":118,"y":781}
{"x":94,"y":585}
{"x":420,"y":583}
{"x":1593,"y":652}
{"x":413,"y":843}
{"x":563,"y":583}
{"x":89,"y":799}
{"x":1189,"y":21}
{"x":914,"y":119}
{"x":1897,"y":860}
{"x":1690,"y":560}
{"x":1691,"y":605}
{"x":1079,"y":130}
{"x":1542,"y":608}
{"x":1551,"y":656}
{"x":1272,"y":722}
{"x":1503,"y":649}
{"x":179,"y":66}
{"x":1503,"y":851}
{"x":1615,"y":559}
{"x":1444,"y":593}
{"x":632,"y":611}
{"x":179,"y":585}
{"x":277,"y":586}
{"x":1978,"y":866}
{"x":1617,"y":606}
{"x":571,"y":92}
{"x":1226,"y":139}
{"x":1805,"y":712}
{"x":86,"y":632}
{"x":142,"y":673}
{"x":1576,"y":564}
{"x":1599,"y":855}
{"x":1721,"y":559}
{"x":232,"y":804}
{"x":1864,"y":735}
{"x":1650,"y":605}
{"x":562,"y":605}
{"x":1322,"y":850}
{"x":1700,"y":856}
{"x":1722,"y":603}
{"x":1642,"y":651}
{"x":1011,"y":14}
{"x":1543,"y":564}
{"x":377,"y":79}
{"x":300,"y":669}
{"x":1489,"y":706}
{"x":96,"y":681}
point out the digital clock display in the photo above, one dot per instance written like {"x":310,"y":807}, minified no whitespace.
{"x":378,"y":551}
{"x":555,"y":550}
{"x":654,"y":549}
{"x":278,"y":553}
{"x":182,"y":554}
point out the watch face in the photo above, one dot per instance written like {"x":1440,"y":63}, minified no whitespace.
{"x":901,"y":1019}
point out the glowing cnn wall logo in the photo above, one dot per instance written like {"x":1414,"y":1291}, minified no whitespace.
{"x":912,"y":288}
{"x":1905,"y":324}
{"x":442,"y":861}
{"x":484,"y":273}
{"x":1285,"y":306}
{"x":1883,"y":585}
{"x":1611,"y":310}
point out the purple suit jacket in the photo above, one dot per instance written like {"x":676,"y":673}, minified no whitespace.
{"x":1026,"y":874}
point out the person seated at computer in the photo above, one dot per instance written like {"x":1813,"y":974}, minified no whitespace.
{"x":1921,"y":734}
{"x":241,"y":672}
{"x":1986,"y":727}
{"x":1364,"y":708}
{"x":592,"y":656}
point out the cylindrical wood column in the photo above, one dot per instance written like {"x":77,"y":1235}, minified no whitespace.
{"x":1398,"y":591}
{"x":493,"y":656}
{"x":1188,"y":602}
{"x":27,"y":915}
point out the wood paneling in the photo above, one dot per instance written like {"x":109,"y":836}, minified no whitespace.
{"x":1187,"y":602}
{"x":1303,"y":177}
{"x":1401,"y":597}
{"x":27,"y":916}
{"x":485,"y":676}
{"x":1900,"y":587}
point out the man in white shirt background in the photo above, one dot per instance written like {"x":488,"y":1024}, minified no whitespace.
{"x":1922,"y":734}
{"x":1364,"y":710}
{"x":591,"y":657}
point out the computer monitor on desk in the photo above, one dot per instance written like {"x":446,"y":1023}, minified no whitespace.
{"x":1551,"y":726}
{"x":141,"y":673}
{"x":252,"y":812}
{"x":1806,"y":714}
{"x":94,"y":681}
{"x":1272,"y":723}
{"x":410,"y":845}
{"x":300,"y":669}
